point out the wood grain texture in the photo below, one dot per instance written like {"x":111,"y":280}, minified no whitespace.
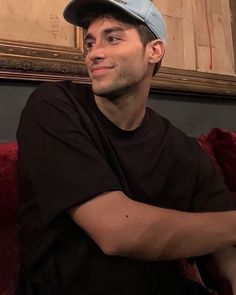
{"x":36,"y":21}
{"x":233,"y":25}
{"x":189,"y":36}
{"x":174,"y":56}
{"x":199,"y":35}
{"x":170,"y":7}
{"x":213,"y":37}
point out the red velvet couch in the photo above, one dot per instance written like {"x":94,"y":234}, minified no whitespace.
{"x":9,"y":259}
{"x":219,"y":144}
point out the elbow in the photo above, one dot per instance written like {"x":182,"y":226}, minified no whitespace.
{"x":113,"y":242}
{"x":110,"y":248}
{"x":113,"y":246}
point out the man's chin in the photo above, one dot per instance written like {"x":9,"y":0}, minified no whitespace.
{"x":107,"y":93}
{"x":111,"y":92}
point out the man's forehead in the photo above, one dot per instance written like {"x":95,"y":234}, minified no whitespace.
{"x":106,"y":23}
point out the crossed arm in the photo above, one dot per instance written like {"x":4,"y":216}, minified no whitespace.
{"x":121,"y":226}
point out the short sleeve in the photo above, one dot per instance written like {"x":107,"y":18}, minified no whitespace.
{"x":211,"y":193}
{"x":57,"y":155}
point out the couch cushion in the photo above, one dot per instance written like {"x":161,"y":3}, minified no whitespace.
{"x":9,"y":262}
{"x":224,"y":146}
{"x":8,"y":184}
{"x":9,"y":259}
{"x":207,"y":147}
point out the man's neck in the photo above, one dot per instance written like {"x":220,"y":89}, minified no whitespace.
{"x":127,"y":112}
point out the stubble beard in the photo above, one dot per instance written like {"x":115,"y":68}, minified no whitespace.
{"x":115,"y":90}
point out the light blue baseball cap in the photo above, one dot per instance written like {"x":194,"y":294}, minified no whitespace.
{"x":143,"y":10}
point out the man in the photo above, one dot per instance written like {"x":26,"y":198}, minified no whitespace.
{"x":106,"y":183}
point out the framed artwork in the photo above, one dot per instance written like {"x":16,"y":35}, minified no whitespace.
{"x":36,"y":43}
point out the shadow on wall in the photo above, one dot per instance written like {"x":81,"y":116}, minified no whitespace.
{"x":194,"y":115}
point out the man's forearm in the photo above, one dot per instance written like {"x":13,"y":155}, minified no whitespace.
{"x":167,"y":234}
{"x":124,"y":227}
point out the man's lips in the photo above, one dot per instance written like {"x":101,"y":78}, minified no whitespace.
{"x":99,"y":70}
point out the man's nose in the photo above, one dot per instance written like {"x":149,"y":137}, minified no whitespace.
{"x":96,"y":52}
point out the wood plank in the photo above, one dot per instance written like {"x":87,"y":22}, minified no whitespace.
{"x":203,"y":58}
{"x":229,"y":29}
{"x":233,"y":22}
{"x":202,"y":32}
{"x":224,"y":63}
{"x":173,"y":14}
{"x":200,"y":23}
{"x":216,"y":7}
{"x":214,"y":47}
{"x":36,"y":21}
{"x":170,"y":7}
{"x":174,"y":56}
{"x":188,"y":34}
{"x":221,"y":63}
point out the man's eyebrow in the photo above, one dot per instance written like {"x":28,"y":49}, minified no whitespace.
{"x":105,"y":32}
{"x":113,"y":29}
{"x":88,"y":36}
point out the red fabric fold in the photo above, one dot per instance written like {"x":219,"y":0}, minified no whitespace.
{"x":224,"y":146}
{"x":9,"y":259}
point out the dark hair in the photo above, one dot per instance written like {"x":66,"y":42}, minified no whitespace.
{"x":146,"y":36}
{"x":92,"y":12}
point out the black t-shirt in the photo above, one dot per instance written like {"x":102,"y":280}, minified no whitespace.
{"x":69,"y":152}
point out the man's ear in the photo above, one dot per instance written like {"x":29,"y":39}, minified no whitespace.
{"x":156,"y":51}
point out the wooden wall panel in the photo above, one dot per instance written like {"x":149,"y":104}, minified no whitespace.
{"x":213,"y":36}
{"x":35,"y":21}
{"x":233,"y":22}
{"x":180,"y":50}
{"x":170,"y":7}
{"x":199,"y":35}
{"x":174,"y":56}
{"x":201,"y":25}
{"x":228,"y":29}
{"x":189,"y":36}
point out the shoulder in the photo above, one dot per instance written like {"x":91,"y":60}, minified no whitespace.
{"x":55,"y":105}
{"x":174,"y":138}
{"x":59,"y":90}
{"x":63,"y":97}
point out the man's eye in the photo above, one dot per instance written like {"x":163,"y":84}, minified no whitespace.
{"x":89,"y":45}
{"x":112,"y":39}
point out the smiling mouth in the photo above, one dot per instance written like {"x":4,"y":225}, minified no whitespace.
{"x":100,"y":71}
